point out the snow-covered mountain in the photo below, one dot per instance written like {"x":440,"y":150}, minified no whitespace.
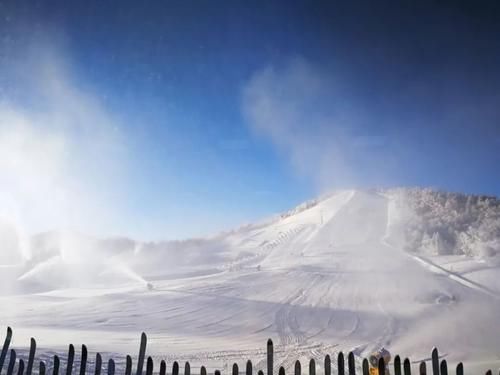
{"x":407,"y":269}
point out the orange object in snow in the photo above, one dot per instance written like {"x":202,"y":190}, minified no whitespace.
{"x":375,"y":358}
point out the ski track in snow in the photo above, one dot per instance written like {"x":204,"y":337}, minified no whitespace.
{"x":317,"y":282}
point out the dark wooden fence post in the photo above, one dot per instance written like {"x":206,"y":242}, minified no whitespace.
{"x":460,"y":369}
{"x":83,"y":360}
{"x":98,"y":364}
{"x":381,"y":366}
{"x":366,"y":367}
{"x":340,"y":364}
{"x":175,"y":368}
{"x":397,"y":365}
{"x":328,"y":365}
{"x":149,"y":366}
{"x":236,"y":370}
{"x":187,"y":369}
{"x":20,"y":369}
{"x":55,"y":369}
{"x":249,"y":368}
{"x":142,"y":353}
{"x":41,"y":371}
{"x":71,"y":357}
{"x":312,"y":367}
{"x":163,"y":368}
{"x":5,"y":347}
{"x":435,"y":362}
{"x":444,"y":367}
{"x":351,"y":364}
{"x":203,"y":370}
{"x":128,"y":365}
{"x":111,"y":367}
{"x":270,"y":357}
{"x":298,"y":367}
{"x":407,"y":366}
{"x":281,"y":371}
{"x":12,"y":362}
{"x":423,"y":368}
{"x":31,"y":357}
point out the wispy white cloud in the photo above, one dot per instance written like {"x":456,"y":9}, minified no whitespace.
{"x":321,"y":129}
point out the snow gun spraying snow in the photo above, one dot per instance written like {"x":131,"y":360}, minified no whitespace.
{"x":375,"y":358}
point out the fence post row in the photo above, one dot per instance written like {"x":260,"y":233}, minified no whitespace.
{"x":438,"y":367}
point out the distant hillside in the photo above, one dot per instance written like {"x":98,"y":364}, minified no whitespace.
{"x":441,"y":223}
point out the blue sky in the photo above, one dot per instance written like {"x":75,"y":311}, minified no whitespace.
{"x":174,"y":119}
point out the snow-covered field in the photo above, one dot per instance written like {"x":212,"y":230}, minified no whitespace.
{"x":336,"y":274}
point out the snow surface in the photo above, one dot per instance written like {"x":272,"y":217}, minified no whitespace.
{"x":333,"y":274}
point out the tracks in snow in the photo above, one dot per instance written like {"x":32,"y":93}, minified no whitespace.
{"x":266,"y":248}
{"x":285,"y":318}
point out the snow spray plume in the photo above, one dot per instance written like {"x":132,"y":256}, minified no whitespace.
{"x":61,"y":153}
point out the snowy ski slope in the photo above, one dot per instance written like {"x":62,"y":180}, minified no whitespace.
{"x":319,"y":280}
